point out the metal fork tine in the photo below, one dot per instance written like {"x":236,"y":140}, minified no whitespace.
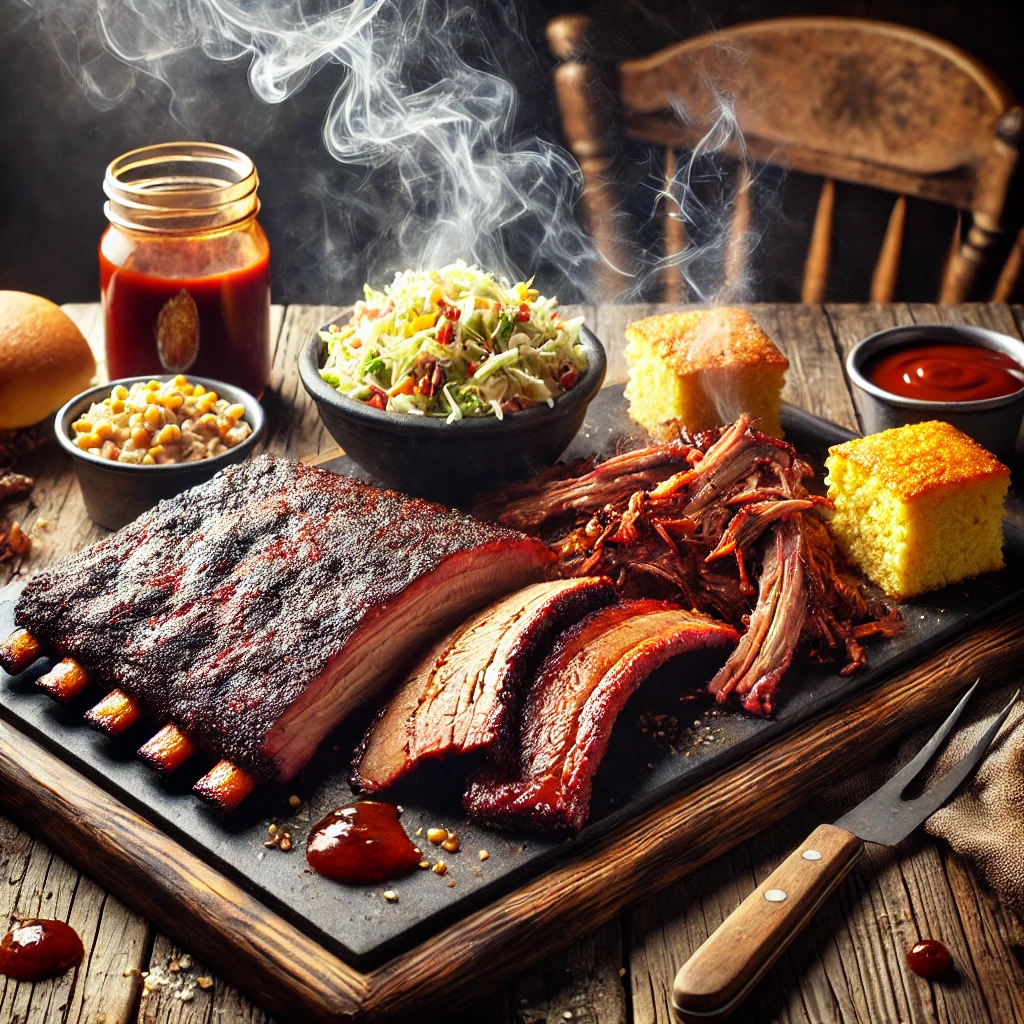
{"x":910,"y":771}
{"x":935,"y":796}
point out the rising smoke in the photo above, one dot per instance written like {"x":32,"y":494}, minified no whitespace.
{"x":422,"y":123}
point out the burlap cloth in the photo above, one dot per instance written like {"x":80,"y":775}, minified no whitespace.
{"x":984,"y":822}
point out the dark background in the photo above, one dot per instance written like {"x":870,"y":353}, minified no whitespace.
{"x":56,"y":145}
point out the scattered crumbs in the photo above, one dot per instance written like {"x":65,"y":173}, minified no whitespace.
{"x":400,"y":808}
{"x":667,"y":732}
{"x":440,"y":868}
{"x":451,"y":844}
{"x":204,"y":982}
{"x":261,"y":855}
{"x":567,"y":1015}
{"x":424,"y":864}
{"x":279,"y":838}
{"x":419,"y":831}
{"x":129,"y":971}
{"x":174,"y":967}
{"x":483,"y":855}
{"x":185,"y":961}
{"x":391,"y":896}
{"x":295,"y":802}
{"x":42,"y":524}
{"x":451,"y":883}
{"x":437,"y":835}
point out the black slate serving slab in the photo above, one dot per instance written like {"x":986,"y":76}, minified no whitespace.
{"x":358,"y":924}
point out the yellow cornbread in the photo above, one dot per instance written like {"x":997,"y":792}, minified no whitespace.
{"x":917,"y":507}
{"x":702,"y":369}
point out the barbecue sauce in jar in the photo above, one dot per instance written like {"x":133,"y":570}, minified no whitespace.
{"x":35,"y":949}
{"x":945,"y":373}
{"x":361,"y":844}
{"x":185,"y":266}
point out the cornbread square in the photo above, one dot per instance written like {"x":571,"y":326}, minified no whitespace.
{"x":701,"y":369}
{"x":917,"y":507}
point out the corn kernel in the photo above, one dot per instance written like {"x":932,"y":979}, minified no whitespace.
{"x":120,"y":392}
{"x":208,"y":420}
{"x":173,"y":402}
{"x":151,"y":397}
{"x":186,"y":389}
{"x":87,"y":441}
{"x":180,"y":381}
{"x":198,"y":389}
{"x":104,"y":431}
{"x":157,"y":449}
{"x":236,"y":411}
{"x":423,"y":323}
{"x":140,"y":437}
{"x":153,"y":416}
{"x":148,"y":460}
{"x":116,"y":406}
{"x":435,"y":295}
{"x":153,"y":385}
{"x":169,"y":435}
{"x":208,"y":401}
{"x":81,"y":426}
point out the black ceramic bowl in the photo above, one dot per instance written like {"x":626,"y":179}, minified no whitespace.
{"x":451,"y":462}
{"x":115,"y":493}
{"x":995,"y":423}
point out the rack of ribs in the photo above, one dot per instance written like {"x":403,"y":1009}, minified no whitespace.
{"x":249,"y":615}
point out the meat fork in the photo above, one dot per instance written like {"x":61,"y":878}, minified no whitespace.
{"x":720,"y":974}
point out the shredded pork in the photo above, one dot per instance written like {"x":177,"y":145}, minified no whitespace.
{"x":724,"y":523}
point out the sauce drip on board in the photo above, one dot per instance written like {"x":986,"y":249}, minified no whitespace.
{"x":361,"y":844}
{"x":36,"y":949}
{"x":929,"y":959}
{"x":945,"y":373}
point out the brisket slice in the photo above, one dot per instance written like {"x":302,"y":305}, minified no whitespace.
{"x":257,"y":610}
{"x":568,"y":714}
{"x":460,"y":697}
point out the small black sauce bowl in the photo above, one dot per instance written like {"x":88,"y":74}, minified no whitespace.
{"x":115,"y":493}
{"x":451,"y":462}
{"x":995,"y":423}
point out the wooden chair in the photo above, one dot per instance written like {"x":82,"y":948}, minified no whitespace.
{"x":842,"y":98}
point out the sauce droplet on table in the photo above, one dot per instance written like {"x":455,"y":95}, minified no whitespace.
{"x":361,"y":844}
{"x":36,"y":949}
{"x":929,"y":959}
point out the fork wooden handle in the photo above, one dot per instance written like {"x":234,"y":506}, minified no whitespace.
{"x":741,"y":950}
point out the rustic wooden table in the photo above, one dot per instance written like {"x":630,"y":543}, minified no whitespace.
{"x":848,"y":966}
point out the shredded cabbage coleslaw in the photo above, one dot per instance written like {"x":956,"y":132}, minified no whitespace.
{"x":454,"y":343}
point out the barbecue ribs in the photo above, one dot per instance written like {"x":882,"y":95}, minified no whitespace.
{"x":255,"y":611}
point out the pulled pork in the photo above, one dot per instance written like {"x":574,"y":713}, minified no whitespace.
{"x":723,"y":523}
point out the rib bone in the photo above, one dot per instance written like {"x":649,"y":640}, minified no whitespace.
{"x":225,"y":786}
{"x":168,"y":750}
{"x":114,"y":714}
{"x":65,"y":680}
{"x":18,"y":651}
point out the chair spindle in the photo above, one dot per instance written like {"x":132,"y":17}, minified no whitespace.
{"x":887,"y":267}
{"x":820,"y":249}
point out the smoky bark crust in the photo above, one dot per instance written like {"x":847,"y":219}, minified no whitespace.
{"x":218,"y":608}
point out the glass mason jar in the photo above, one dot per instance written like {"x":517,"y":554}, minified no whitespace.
{"x":185,"y":267}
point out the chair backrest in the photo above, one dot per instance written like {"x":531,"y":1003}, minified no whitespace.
{"x":842,"y":98}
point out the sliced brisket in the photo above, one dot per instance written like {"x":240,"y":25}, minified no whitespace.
{"x":257,"y":610}
{"x":461,"y":695}
{"x":568,"y":714}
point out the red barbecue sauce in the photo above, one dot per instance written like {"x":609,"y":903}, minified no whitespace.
{"x":929,"y":959}
{"x":945,"y":373}
{"x":361,"y":844}
{"x":37,"y":949}
{"x":231,"y":312}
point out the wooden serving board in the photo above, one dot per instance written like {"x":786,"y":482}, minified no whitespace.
{"x":310,"y":950}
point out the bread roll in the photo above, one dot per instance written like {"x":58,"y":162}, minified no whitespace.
{"x":44,"y":359}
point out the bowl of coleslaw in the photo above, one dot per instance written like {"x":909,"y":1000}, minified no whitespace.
{"x":448,"y":382}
